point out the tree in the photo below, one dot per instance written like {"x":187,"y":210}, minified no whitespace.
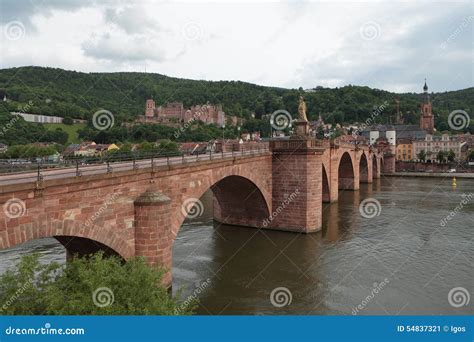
{"x":441,"y":156}
{"x":95,"y":285}
{"x":320,"y":132}
{"x":451,"y":156}
{"x":168,"y":146}
{"x":422,"y":155}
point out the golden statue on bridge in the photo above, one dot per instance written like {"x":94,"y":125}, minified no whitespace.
{"x":302,"y":109}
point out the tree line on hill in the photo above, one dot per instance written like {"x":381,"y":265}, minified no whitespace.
{"x":72,"y":94}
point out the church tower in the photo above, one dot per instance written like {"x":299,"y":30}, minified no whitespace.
{"x":426,"y":117}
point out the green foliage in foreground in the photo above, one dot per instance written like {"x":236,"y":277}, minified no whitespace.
{"x":87,"y":286}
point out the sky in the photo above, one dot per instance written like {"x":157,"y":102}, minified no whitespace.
{"x":391,"y":45}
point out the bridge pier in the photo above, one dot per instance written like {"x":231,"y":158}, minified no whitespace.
{"x":334,"y":177}
{"x":365,"y":169}
{"x":389,"y":163}
{"x":153,"y":238}
{"x":297,"y":185}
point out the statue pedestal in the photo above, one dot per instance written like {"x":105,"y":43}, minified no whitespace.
{"x":301,"y":130}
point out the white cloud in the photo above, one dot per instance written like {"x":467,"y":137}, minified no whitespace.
{"x":287,"y":44}
{"x":118,"y":47}
{"x":132,"y":19}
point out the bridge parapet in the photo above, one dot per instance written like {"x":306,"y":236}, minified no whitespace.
{"x":298,"y":144}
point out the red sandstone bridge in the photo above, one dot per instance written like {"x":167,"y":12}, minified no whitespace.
{"x":137,"y":209}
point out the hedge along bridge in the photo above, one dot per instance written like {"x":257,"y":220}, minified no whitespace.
{"x":137,"y":209}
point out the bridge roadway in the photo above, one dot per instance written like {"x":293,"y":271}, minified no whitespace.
{"x":88,"y":170}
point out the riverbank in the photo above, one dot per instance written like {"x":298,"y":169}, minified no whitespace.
{"x":430,"y":174}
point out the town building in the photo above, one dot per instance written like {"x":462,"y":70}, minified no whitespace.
{"x":194,"y":147}
{"x":412,"y":132}
{"x":88,"y":149}
{"x":404,"y":149}
{"x":432,"y":144}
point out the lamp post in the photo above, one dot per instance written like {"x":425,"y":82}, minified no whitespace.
{"x":223,"y":127}
{"x":271,"y":125}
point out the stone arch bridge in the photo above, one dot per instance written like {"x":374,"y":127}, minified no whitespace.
{"x":138,"y":211}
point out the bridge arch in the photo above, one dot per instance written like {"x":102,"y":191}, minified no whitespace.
{"x":75,"y":237}
{"x":326,"y":193}
{"x":81,"y":246}
{"x":363,"y":169}
{"x":375,"y":166}
{"x":238,"y":200}
{"x":346,"y":172}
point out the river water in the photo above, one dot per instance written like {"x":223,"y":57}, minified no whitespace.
{"x":404,"y":260}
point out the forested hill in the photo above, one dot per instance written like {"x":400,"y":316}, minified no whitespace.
{"x":78,"y":95}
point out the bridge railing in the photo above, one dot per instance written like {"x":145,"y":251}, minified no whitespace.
{"x":293,"y":144}
{"x":89,"y":166}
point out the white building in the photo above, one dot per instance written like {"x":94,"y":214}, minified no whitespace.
{"x":39,"y":118}
{"x":391,"y":136}
{"x":374,"y":135}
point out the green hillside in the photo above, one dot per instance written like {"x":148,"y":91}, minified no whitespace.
{"x":78,"y":95}
{"x":72,"y":94}
{"x":71,"y":130}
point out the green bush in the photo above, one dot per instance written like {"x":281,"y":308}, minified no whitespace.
{"x":95,"y":285}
